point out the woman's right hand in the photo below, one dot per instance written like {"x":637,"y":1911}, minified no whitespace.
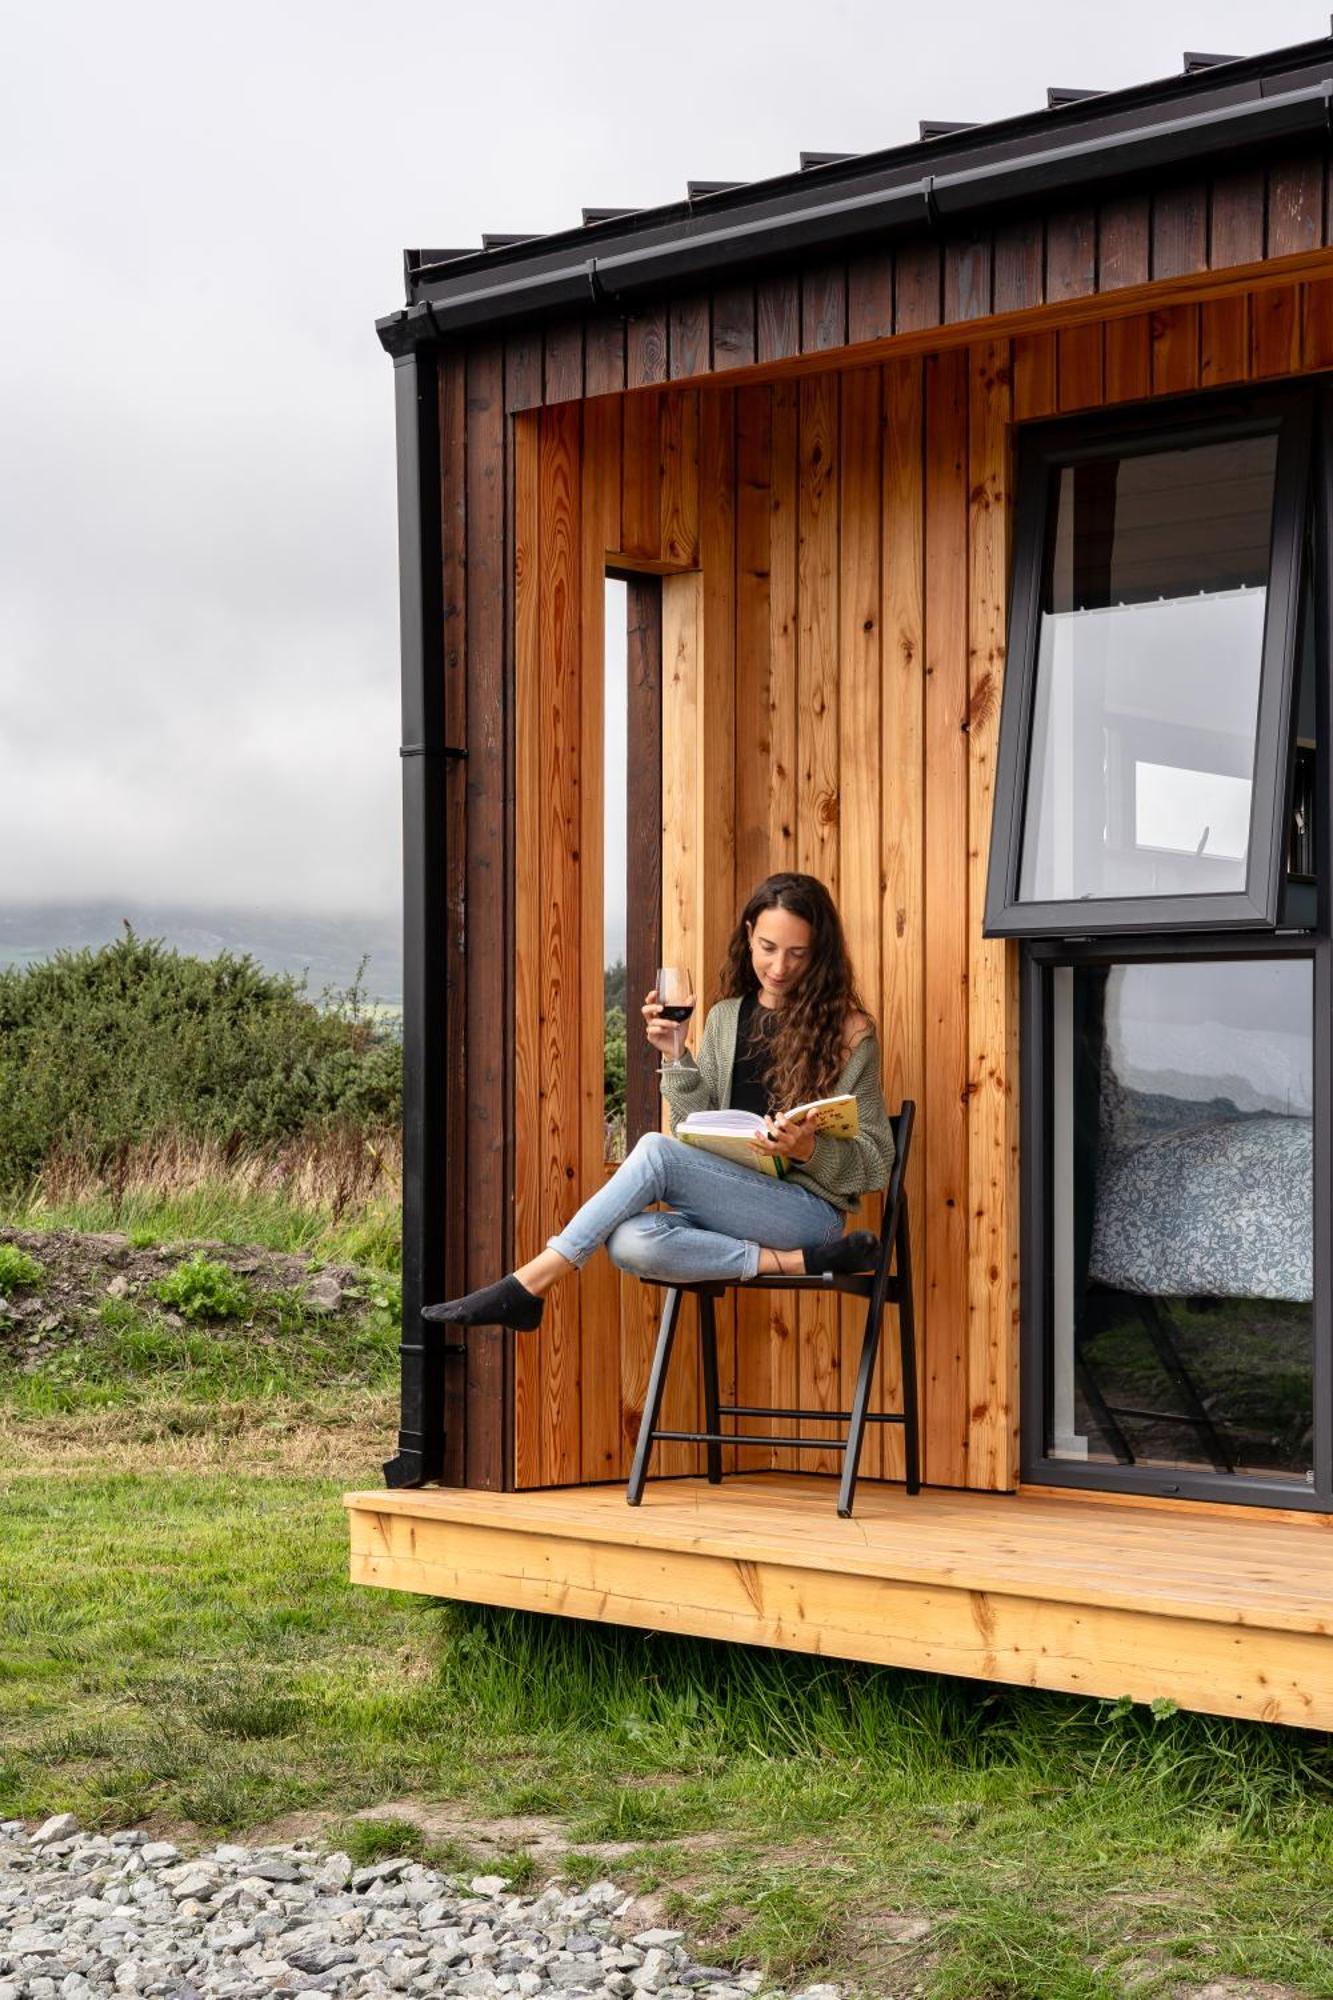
{"x":660,"y":1033}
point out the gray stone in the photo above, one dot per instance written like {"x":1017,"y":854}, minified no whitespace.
{"x":378,"y":1871}
{"x":324,"y":1294}
{"x":59,"y":1827}
{"x":158,"y":1852}
{"x":335,"y":1872}
{"x":647,"y":1940}
{"x":489,"y":1885}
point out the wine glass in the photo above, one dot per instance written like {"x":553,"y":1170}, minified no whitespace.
{"x":675,"y":997}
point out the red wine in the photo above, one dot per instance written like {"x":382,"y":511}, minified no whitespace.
{"x":677,"y":1013}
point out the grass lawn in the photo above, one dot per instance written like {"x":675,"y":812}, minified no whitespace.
{"x":179,"y":1646}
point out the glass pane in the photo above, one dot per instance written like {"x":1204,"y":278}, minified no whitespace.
{"x":615,"y":776}
{"x":1148,"y":660}
{"x":1182,"y":1333}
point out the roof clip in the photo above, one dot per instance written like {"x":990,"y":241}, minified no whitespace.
{"x":435,"y":326}
{"x":928,"y":196}
{"x":595,"y":286}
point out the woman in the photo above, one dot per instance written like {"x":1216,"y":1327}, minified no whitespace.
{"x":790,"y":1028}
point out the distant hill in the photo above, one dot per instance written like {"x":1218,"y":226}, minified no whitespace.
{"x":326,"y":949}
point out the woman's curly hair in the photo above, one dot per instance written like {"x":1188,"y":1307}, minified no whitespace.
{"x":806,"y":1050}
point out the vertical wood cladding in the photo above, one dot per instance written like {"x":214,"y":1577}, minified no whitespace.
{"x":833,"y":555}
{"x":1233,"y":221}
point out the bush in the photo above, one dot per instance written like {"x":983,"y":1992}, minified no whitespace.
{"x":17,"y":1269}
{"x":102,"y":1051}
{"x":200,"y":1289}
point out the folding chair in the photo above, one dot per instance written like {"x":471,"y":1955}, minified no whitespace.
{"x":888,"y":1283}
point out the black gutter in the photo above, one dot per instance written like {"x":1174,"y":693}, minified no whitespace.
{"x":770,"y":223}
{"x":421,"y":615}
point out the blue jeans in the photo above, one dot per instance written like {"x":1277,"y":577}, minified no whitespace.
{"x":719,"y":1218}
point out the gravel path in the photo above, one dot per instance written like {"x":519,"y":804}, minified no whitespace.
{"x":85,"y":1915}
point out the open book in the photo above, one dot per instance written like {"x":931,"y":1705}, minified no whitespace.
{"x":730,"y":1132}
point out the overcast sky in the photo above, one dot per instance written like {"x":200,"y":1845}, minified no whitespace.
{"x":202,"y":215}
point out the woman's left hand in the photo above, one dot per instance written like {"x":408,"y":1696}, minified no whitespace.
{"x":787,"y":1140}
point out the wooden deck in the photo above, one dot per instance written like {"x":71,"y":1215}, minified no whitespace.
{"x":1225,"y":1610}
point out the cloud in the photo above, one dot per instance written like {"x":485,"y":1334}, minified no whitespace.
{"x":203,"y":212}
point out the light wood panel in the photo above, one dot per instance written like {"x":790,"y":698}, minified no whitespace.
{"x":1228,"y":1616}
{"x":818,"y":804}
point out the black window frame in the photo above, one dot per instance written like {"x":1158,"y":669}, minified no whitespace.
{"x":1157,"y":941}
{"x":1036,"y":1305}
{"x":1146,"y":428}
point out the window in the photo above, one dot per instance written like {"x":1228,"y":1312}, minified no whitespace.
{"x":631,"y":861}
{"x":1158,"y":845}
{"x":1181,"y":1221}
{"x":1142,"y":780}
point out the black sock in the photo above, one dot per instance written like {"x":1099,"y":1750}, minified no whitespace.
{"x":507,"y":1304}
{"x":854,"y":1252}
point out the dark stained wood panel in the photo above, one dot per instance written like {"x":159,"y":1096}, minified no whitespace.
{"x":1295,"y":206}
{"x":488,"y":876}
{"x":564,"y":362}
{"x":453,"y":779}
{"x":688,"y":337}
{"x":917,"y":288}
{"x":823,"y":308}
{"x":967,"y":278}
{"x":523,"y":370}
{"x":1180,"y":232}
{"x":1019,"y":265}
{"x":646,"y":347}
{"x":1071,"y":254}
{"x":604,"y":357}
{"x":733,"y":327}
{"x":870,"y":297}
{"x":778,"y":318}
{"x":1123,"y":243}
{"x":1236,"y":219}
{"x":558,"y":1074}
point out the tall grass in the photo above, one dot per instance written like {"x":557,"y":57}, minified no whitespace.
{"x":336,"y":1193}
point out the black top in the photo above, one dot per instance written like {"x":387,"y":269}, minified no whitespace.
{"x":749,"y":1091}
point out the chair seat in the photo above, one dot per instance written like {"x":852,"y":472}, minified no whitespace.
{"x":859,"y":1284}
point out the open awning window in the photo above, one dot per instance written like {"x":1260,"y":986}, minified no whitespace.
{"x":1146,"y":776}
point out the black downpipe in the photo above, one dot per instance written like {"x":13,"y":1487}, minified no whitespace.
{"x":421,"y":1434}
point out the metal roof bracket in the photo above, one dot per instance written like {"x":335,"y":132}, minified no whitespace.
{"x":931,"y":205}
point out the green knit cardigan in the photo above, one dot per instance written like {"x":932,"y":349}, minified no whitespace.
{"x":839,"y":1170}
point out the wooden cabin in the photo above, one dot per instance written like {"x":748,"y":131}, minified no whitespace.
{"x":953,"y":523}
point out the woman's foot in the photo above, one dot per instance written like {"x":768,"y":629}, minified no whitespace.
{"x":507,"y":1304}
{"x":856,"y":1251}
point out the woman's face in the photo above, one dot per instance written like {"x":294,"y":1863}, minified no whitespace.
{"x":780,"y":948}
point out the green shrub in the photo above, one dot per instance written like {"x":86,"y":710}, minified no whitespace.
{"x":104,"y":1050}
{"x":200,"y":1289}
{"x":17,"y":1269}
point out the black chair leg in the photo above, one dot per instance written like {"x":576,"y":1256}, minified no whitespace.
{"x":907,"y":1350}
{"x":652,"y":1407}
{"x":851,"y":1451}
{"x":708,"y":1357}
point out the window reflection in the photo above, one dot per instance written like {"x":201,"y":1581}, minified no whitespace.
{"x":1183,"y":1247}
{"x":1148,"y":672}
